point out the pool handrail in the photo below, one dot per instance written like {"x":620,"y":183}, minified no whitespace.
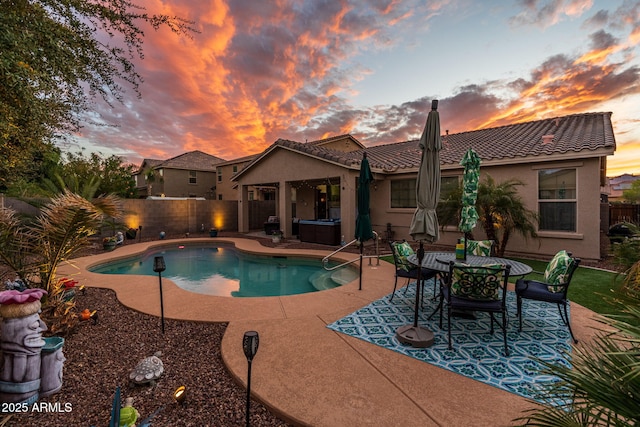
{"x":326,"y":259}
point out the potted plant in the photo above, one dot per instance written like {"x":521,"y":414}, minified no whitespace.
{"x":213,"y":232}
{"x":109,"y":243}
{"x":276,"y":236}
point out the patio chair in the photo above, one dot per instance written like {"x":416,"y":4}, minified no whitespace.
{"x":479,"y":247}
{"x":404,"y":269}
{"x":553,"y":287}
{"x":478,"y":289}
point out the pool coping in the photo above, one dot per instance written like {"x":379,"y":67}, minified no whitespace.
{"x":309,"y":374}
{"x":185,"y":305}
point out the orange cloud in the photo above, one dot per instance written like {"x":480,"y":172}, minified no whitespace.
{"x":260,"y":71}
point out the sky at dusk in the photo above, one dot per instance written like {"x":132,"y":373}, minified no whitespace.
{"x":306,"y":70}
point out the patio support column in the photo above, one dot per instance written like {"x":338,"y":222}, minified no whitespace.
{"x":284,"y":207}
{"x":348,"y":202}
{"x":243,"y":210}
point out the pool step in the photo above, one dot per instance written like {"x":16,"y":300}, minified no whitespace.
{"x":323,"y":280}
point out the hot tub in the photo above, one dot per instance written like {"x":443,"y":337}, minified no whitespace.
{"x":323,"y":231}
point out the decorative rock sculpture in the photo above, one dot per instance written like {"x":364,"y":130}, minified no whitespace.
{"x":21,"y":343}
{"x":148,"y":370}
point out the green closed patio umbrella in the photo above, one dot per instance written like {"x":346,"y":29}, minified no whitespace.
{"x":424,"y":225}
{"x":469,"y":214}
{"x":364,"y":231}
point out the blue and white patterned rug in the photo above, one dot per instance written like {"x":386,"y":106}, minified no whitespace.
{"x":476,"y":353}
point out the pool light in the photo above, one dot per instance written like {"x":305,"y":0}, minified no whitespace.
{"x":250,"y":346}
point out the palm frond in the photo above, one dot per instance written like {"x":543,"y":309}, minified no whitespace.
{"x":602,"y":386}
{"x":64,"y":227}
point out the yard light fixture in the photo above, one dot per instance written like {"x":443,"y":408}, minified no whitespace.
{"x":250,"y":346}
{"x":159,"y":266}
{"x":180,"y":395}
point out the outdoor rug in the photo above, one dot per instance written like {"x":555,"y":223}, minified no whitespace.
{"x":476,"y":353}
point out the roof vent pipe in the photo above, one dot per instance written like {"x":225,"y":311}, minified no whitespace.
{"x":547,"y":139}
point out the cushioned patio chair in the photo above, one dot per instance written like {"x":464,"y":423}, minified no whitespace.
{"x":553,"y":287}
{"x":477,"y":289}
{"x":479,"y":247}
{"x":404,"y":269}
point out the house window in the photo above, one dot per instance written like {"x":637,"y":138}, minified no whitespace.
{"x":403,"y":193}
{"x":219,"y":174}
{"x":235,"y":168}
{"x":447,"y":185}
{"x":250,"y":195}
{"x":193,"y":177}
{"x":557,"y":201}
{"x":219,"y":196}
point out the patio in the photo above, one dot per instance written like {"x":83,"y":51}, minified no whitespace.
{"x":311,"y":375}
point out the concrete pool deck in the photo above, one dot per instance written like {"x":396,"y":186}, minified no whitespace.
{"x":308,"y":374}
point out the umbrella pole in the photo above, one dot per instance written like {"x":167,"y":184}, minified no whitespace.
{"x":361,"y":249}
{"x":419,"y":284}
{"x":466,"y":238}
{"x":414,"y":335}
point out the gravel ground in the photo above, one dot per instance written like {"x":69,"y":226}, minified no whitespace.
{"x":100,"y":357}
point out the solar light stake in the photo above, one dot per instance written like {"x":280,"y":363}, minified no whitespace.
{"x":250,"y":347}
{"x":159,"y":267}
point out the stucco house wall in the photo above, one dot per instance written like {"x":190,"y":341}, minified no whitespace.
{"x":569,"y":146}
{"x":176,"y":183}
{"x":285,"y":169}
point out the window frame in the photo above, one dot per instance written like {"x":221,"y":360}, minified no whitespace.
{"x":556,"y":222}
{"x":410,"y":191}
{"x":193,"y":177}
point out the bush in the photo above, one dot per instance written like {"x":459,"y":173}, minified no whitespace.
{"x":626,"y":253}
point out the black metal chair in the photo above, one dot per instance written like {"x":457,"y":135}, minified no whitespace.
{"x":552,"y":289}
{"x":478,"y":289}
{"x":404,"y":269}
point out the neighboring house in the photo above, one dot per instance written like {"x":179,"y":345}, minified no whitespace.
{"x":617,"y":184}
{"x":227,"y":189}
{"x":191,"y":174}
{"x":562,"y":161}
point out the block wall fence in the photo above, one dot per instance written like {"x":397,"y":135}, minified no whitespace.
{"x":180,"y":216}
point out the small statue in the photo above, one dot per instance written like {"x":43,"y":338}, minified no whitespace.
{"x":148,"y":370}
{"x":128,"y":414}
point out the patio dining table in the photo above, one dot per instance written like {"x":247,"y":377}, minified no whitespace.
{"x":439,"y":261}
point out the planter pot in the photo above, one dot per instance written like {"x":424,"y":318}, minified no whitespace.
{"x":213,"y":233}
{"x":109,"y":246}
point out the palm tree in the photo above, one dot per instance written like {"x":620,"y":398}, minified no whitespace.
{"x":150,"y":178}
{"x":501,"y":210}
{"x":33,"y":250}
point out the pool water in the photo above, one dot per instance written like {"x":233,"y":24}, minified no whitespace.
{"x":224,"y":271}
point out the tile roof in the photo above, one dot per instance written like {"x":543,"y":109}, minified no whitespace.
{"x":193,"y":160}
{"x":579,"y":134}
{"x":238,"y":160}
{"x":321,"y":142}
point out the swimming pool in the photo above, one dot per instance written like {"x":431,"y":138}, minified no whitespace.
{"x":223,"y":270}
